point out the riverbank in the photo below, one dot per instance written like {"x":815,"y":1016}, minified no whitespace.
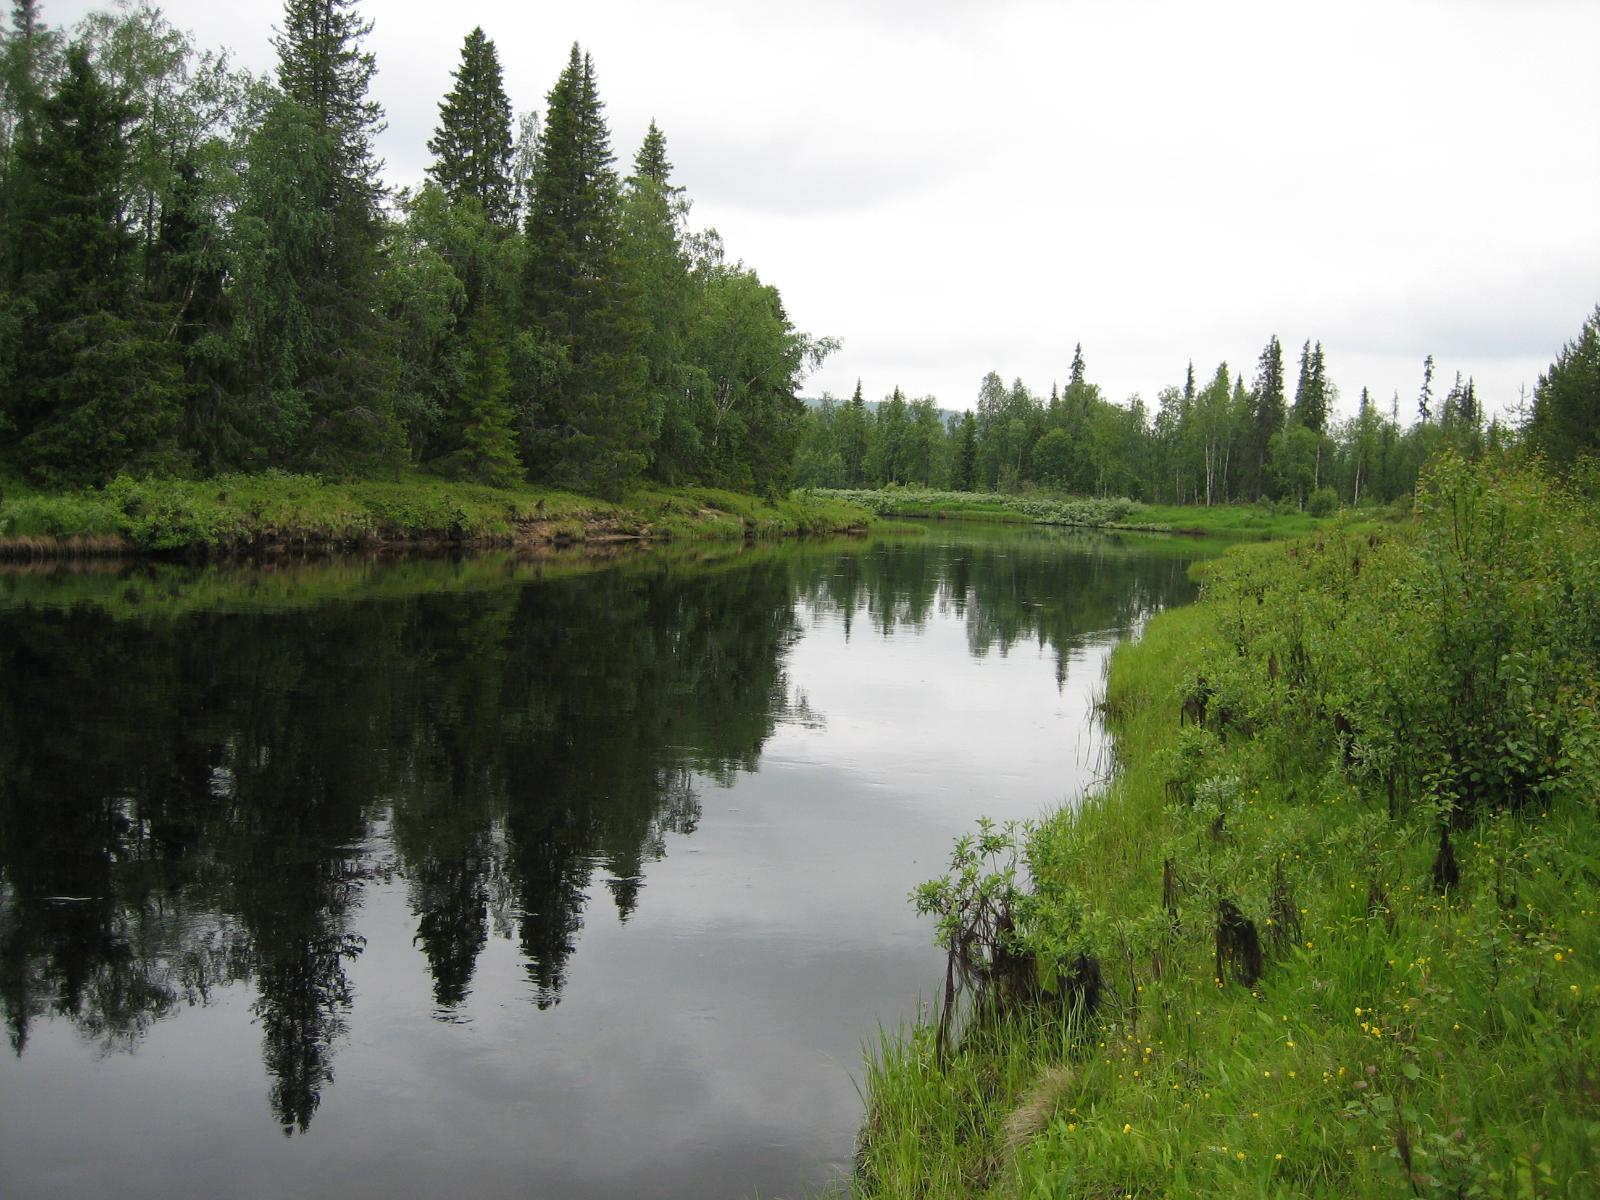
{"x":1114,"y":513}
{"x":1332,"y":929}
{"x":275,"y":512}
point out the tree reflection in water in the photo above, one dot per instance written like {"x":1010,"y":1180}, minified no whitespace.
{"x":199,"y":798}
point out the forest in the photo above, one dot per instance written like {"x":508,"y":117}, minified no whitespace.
{"x":1218,"y":442}
{"x":203,"y":271}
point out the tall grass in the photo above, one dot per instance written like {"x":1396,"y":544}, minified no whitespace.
{"x":1408,"y":1035}
{"x":1247,"y":520}
{"x":232,"y":512}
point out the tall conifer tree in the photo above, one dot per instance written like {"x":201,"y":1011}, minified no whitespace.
{"x":1266,"y":415}
{"x":99,"y":388}
{"x":586,"y":421}
{"x":1564,"y":423}
{"x":25,"y":53}
{"x":323,"y":69}
{"x":854,"y":437}
{"x":654,"y":214}
{"x":472,"y":146}
{"x":311,"y":274}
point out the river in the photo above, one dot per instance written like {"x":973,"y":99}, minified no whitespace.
{"x":496,"y":878}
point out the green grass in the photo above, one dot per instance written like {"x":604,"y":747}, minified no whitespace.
{"x":1253,"y":520}
{"x":702,"y":512}
{"x":915,"y":501}
{"x":1402,"y":1040}
{"x":1248,"y":520}
{"x":273,"y":509}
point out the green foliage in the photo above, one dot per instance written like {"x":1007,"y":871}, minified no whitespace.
{"x":198,"y":274}
{"x":472,"y":146}
{"x":974,"y":907}
{"x":1565,"y":421}
{"x":81,"y":515}
{"x":317,"y":190}
{"x":914,"y":502}
{"x":586,"y":420}
{"x":489,"y":443}
{"x":238,"y":512}
{"x":1348,"y":703}
{"x":654,"y":215}
{"x":1454,"y":660}
{"x":323,"y":69}
{"x":97,"y":388}
{"x":747,"y":358}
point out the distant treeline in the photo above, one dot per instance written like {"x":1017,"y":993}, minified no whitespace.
{"x":1207,"y":443}
{"x":202,"y":270}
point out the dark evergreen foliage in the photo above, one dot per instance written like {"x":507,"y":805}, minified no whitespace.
{"x":336,"y":381}
{"x":161,"y":309}
{"x":1266,"y":418}
{"x":98,"y":383}
{"x":323,"y":69}
{"x":585,"y":421}
{"x":489,"y":441}
{"x":210,"y":280}
{"x":472,"y":145}
{"x":658,"y":272}
{"x":1565,"y":421}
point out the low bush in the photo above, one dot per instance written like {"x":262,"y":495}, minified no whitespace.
{"x":1341,"y":892}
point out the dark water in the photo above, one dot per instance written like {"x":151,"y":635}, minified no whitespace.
{"x":508,"y":880}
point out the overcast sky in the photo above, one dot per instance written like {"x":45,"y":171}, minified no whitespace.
{"x":953,"y":188}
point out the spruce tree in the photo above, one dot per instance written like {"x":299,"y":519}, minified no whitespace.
{"x":472,"y":146}
{"x":99,"y":387}
{"x":489,"y":443}
{"x":314,"y":263}
{"x":586,"y":419}
{"x":26,"y":53}
{"x":1564,"y":423}
{"x":654,"y":213}
{"x":1267,"y":414}
{"x":323,"y":69}
{"x":651,"y":161}
{"x":1302,"y":387}
{"x":1425,"y":398}
{"x":1317,"y":408}
{"x":854,"y":438}
{"x":1311,"y":391}
{"x":1077,"y":365}
{"x":965,"y":472}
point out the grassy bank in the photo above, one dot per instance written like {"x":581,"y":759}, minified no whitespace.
{"x":1256,"y":520}
{"x":1342,"y":923}
{"x":275,"y":510}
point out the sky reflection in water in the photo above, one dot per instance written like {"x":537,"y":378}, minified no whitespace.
{"x":565,"y":880}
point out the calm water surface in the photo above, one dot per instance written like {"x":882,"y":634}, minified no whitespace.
{"x":505,"y":879}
